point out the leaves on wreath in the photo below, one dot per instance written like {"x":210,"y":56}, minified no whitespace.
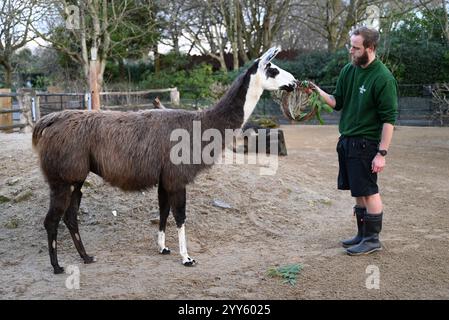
{"x":299,"y":105}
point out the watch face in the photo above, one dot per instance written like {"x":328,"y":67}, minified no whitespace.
{"x":383,"y":152}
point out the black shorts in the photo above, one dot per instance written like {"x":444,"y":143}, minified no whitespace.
{"x":355,"y":155}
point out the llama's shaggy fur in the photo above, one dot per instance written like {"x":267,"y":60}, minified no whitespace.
{"x":131,"y":151}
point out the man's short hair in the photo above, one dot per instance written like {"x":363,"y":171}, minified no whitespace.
{"x":370,"y":36}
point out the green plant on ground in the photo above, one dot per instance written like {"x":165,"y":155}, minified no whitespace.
{"x":288,"y":272}
{"x":12,"y":223}
{"x":267,"y":122}
{"x":4,"y":199}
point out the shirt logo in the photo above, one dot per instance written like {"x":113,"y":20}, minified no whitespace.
{"x":362,"y":89}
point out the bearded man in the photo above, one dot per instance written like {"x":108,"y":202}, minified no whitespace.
{"x":366,"y":94}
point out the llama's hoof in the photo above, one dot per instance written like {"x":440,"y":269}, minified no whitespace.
{"x":58,"y":270}
{"x":89,"y":259}
{"x":189,"y":262}
{"x":165,"y":251}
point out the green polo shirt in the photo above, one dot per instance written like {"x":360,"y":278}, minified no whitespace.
{"x":367,"y":98}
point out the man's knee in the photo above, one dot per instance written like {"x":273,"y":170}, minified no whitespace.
{"x":373,"y":197}
{"x":360,"y":201}
{"x":374,"y":203}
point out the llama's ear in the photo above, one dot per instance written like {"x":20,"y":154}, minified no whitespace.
{"x":268,"y":56}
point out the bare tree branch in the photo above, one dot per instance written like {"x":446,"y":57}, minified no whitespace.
{"x":16,"y":18}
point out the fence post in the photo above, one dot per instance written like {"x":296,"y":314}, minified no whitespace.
{"x":6,"y":103}
{"x":88,"y":101}
{"x":37,"y":108}
{"x":25,"y":101}
{"x":174,"y":96}
{"x":94,"y":68}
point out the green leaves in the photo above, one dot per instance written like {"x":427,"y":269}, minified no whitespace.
{"x":193,"y":83}
{"x":287,"y":272}
{"x":304,"y":84}
{"x":303,"y":103}
{"x":317,"y":102}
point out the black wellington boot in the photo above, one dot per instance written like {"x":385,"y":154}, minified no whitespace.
{"x":359,"y":214}
{"x":370,"y":242}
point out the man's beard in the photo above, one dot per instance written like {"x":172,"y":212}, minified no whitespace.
{"x":361,"y":61}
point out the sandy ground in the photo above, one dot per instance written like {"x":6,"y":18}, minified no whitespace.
{"x":294,"y":216}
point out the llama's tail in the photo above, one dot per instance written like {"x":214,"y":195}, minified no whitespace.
{"x":42,"y":124}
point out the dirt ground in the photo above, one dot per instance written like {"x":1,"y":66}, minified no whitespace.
{"x":294,"y":216}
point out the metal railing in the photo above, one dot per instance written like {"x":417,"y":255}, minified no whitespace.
{"x":416,"y":107}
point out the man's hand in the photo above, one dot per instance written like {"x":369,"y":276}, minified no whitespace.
{"x":328,"y":99}
{"x":378,"y":164}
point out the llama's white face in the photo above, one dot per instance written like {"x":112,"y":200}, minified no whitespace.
{"x":271,"y":76}
{"x":275,"y":78}
{"x":266,"y":77}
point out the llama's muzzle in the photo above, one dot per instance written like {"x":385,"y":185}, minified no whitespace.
{"x":289,"y":88}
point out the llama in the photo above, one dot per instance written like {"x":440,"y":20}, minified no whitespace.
{"x":131,"y":150}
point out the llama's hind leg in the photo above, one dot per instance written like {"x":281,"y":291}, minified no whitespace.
{"x":164,"y":210}
{"x":59,"y":201}
{"x":178,"y":204}
{"x":70,"y":220}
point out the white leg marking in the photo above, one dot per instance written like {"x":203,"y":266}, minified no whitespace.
{"x":53,"y":244}
{"x":161,"y":241}
{"x":182,"y":241}
{"x":183,"y":246}
{"x":77,"y":236}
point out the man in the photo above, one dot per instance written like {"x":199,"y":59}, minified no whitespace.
{"x":366,"y":94}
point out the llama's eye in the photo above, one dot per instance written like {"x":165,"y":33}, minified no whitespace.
{"x":272,"y":72}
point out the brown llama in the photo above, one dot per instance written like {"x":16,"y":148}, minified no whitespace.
{"x":131,"y":150}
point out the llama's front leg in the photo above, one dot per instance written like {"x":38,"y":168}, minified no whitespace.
{"x":164,"y":210}
{"x":186,"y":260}
{"x":178,"y":201}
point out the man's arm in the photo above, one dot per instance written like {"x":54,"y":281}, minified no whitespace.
{"x":328,"y":98}
{"x":387,"y":135}
{"x":378,"y":163}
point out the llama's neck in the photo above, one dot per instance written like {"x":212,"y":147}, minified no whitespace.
{"x":253,"y":94}
{"x":237,"y":105}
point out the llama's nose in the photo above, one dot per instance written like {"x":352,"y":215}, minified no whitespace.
{"x":289,"y":88}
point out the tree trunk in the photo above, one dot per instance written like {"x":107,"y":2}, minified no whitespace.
{"x":157,"y":61}
{"x":235,"y":55}
{"x":8,"y":73}
{"x":175,"y":40}
{"x":121,"y":70}
{"x":331,"y":44}
{"x":446,"y":21}
{"x":8,"y":77}
{"x":100,"y":69}
{"x":266,"y":27}
{"x":221,"y":59}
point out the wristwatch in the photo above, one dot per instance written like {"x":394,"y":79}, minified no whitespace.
{"x":383,"y":153}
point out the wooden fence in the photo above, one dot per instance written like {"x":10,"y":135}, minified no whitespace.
{"x":26,"y":108}
{"x":137,"y":100}
{"x":5,"y":104}
{"x":21,"y":109}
